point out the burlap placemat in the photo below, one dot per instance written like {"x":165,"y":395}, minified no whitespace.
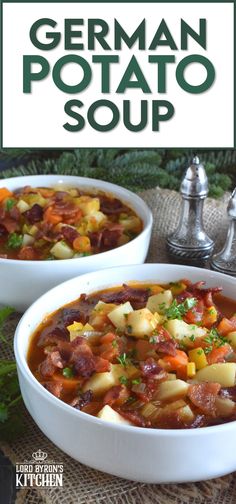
{"x":82,"y":485}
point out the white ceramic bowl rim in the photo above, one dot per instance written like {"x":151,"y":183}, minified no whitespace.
{"x":87,"y":181}
{"x":22,"y":363}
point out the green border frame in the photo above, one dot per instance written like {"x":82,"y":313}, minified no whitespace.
{"x":111,"y":1}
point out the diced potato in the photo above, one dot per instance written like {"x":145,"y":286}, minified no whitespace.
{"x":198,"y":356}
{"x":99,"y":217}
{"x":186,"y":414}
{"x":22,"y":206}
{"x":180,"y":330}
{"x":27,"y":240}
{"x":160,"y":302}
{"x":231,"y":337}
{"x":171,"y":376}
{"x":99,"y":383}
{"x":61,"y":250}
{"x":131,"y":223}
{"x":102,"y":307}
{"x":32,"y":230}
{"x":222,"y":373}
{"x":88,"y":205}
{"x":118,"y":316}
{"x":171,"y":389}
{"x":33,"y":199}
{"x":107,"y":413}
{"x":224,"y":406}
{"x":141,"y":323}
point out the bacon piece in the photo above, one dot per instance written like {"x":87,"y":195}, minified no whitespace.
{"x":110,"y":238}
{"x":47,"y":368}
{"x":167,"y":347}
{"x":54,"y":387}
{"x":57,"y":334}
{"x":203,"y":396}
{"x":60,"y":195}
{"x":229,"y":393}
{"x":117,"y":395}
{"x":137,"y":297}
{"x":3,"y":230}
{"x":199,"y":421}
{"x":27,"y":254}
{"x":82,"y":400}
{"x":10,"y":225}
{"x":69,"y":233}
{"x":56,"y":359}
{"x":134,"y":417}
{"x":2,"y":213}
{"x":34,"y":214}
{"x":150,"y":368}
{"x":84,"y":365}
{"x":101,"y":364}
{"x":96,"y":239}
{"x":14,"y":213}
{"x":70,"y":315}
{"x":111,"y":206}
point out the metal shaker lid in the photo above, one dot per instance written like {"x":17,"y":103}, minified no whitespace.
{"x":195,"y":182}
{"x":231,"y":208}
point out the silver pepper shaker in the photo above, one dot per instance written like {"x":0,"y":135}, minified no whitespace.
{"x":190,"y":243}
{"x":225,"y":260}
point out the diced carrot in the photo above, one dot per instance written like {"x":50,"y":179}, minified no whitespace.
{"x":82,"y":244}
{"x":226,"y":325}
{"x":51,"y":216}
{"x":67,"y":383}
{"x":178,"y":361}
{"x":4,"y":193}
{"x":142,"y":348}
{"x":218,"y":354}
{"x":46,"y":192}
{"x":107,"y":338}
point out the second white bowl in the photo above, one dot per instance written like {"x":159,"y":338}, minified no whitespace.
{"x":25,"y":281}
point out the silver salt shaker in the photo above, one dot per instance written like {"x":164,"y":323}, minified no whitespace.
{"x":190,"y":244}
{"x":225,"y":260}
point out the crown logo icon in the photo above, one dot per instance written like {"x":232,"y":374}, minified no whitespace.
{"x":39,"y":456}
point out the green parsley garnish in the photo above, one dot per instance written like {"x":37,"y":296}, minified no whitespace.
{"x":123,"y":380}
{"x":67,"y":372}
{"x":176,"y":311}
{"x":14,"y":241}
{"x":122,"y":359}
{"x":136,"y":381}
{"x":192,"y":337}
{"x":9,"y":204}
{"x":200,"y":352}
{"x":214,"y":338}
{"x":153,"y":339}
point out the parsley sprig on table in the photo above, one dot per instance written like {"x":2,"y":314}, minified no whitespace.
{"x":11,"y":423}
{"x":4,"y":314}
{"x":176,"y":311}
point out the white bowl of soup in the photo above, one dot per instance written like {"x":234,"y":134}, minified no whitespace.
{"x":55,"y":227}
{"x":131,"y":370}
